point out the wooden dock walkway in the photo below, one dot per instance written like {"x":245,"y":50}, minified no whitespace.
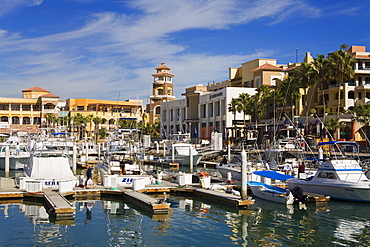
{"x":58,"y":204}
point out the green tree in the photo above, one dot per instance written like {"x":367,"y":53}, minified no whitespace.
{"x":96,"y":120}
{"x":342,"y":63}
{"x":333,"y":125}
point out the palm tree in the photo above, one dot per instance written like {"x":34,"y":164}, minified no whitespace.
{"x":333,"y":124}
{"x":320,"y":74}
{"x":362,"y":114}
{"x":243,"y":104}
{"x":263,"y":96}
{"x":342,"y":61}
{"x":233,"y":107}
{"x":96,"y":120}
{"x":290,"y":89}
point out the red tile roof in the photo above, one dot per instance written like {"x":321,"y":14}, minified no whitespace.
{"x":49,"y":95}
{"x":162,"y":66}
{"x":38,"y":89}
{"x":163,"y":73}
{"x":267,"y":66}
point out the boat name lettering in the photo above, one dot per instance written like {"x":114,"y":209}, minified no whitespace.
{"x":51,"y":182}
{"x":127,"y":180}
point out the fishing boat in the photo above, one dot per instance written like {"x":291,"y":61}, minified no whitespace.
{"x":339,"y":174}
{"x":47,"y":169}
{"x":271,"y":193}
{"x":232,"y":170}
{"x":18,"y":156}
{"x":182,"y":153}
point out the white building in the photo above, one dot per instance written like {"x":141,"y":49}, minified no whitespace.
{"x":201,"y":112}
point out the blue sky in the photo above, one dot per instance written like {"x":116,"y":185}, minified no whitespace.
{"x":108,"y":49}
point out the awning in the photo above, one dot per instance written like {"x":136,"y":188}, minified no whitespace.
{"x":273,"y":175}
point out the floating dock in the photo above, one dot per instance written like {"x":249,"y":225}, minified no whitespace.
{"x":61,"y":208}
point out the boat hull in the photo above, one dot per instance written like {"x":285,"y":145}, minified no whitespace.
{"x":15,"y":163}
{"x":340,"y":191}
{"x":262,"y":192}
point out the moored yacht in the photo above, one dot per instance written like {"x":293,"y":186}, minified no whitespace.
{"x":339,"y":174}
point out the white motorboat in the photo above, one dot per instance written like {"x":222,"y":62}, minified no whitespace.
{"x":181,"y":152}
{"x":47,"y":169}
{"x":232,"y":170}
{"x":271,"y":193}
{"x":18,"y":156}
{"x":339,"y":175}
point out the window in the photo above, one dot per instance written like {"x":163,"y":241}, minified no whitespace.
{"x":210,"y":110}
{"x":126,"y":110}
{"x":48,"y":107}
{"x":351,"y":95}
{"x":217,"y":108}
{"x":4,"y":119}
{"x":15,"y":120}
{"x":80,"y":108}
{"x":359,"y":95}
{"x":26,"y":107}
{"x":36,"y":120}
{"x":203,"y":111}
{"x":157,"y":110}
{"x":16,"y":107}
{"x":4,"y":107}
{"x":36,"y":107}
{"x":26,"y":120}
{"x":328,"y":175}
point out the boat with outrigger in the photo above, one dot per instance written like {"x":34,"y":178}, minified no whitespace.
{"x":339,"y":173}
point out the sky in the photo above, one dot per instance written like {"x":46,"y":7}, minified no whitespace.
{"x":109,"y":49}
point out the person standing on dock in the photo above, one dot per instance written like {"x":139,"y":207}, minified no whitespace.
{"x":88,"y":174}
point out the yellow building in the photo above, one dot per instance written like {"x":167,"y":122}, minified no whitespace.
{"x":108,"y":110}
{"x":27,"y":114}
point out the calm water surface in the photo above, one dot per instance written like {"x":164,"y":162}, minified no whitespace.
{"x":191,"y":222}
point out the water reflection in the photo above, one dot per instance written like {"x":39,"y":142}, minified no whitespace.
{"x":191,"y":222}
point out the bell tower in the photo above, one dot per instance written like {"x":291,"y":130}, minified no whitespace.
{"x":162,"y":91}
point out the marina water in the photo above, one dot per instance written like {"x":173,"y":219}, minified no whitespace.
{"x":191,"y":222}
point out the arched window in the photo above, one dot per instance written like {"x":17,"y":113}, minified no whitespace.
{"x":15,"y":120}
{"x":26,"y":120}
{"x":36,"y":120}
{"x":111,"y":121}
{"x":157,"y":110}
{"x":4,"y":119}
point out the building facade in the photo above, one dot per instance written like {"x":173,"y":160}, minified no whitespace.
{"x":30,"y":113}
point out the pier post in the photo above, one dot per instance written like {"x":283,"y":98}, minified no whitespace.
{"x":74,"y":159}
{"x":87,"y":152}
{"x":191,"y":159}
{"x":228,"y":153}
{"x":7,"y":161}
{"x":164,"y":149}
{"x":320,"y":154}
{"x":99,"y":150}
{"x":157,"y":147}
{"x":173,"y":154}
{"x":244,"y":175}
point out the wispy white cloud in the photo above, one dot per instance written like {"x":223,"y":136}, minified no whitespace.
{"x":7,"y":6}
{"x":114,"y":52}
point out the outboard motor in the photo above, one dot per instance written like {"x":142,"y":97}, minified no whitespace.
{"x":298,"y":195}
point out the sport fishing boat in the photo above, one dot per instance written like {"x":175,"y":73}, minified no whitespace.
{"x":47,"y":169}
{"x":18,"y":156}
{"x":339,"y":174}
